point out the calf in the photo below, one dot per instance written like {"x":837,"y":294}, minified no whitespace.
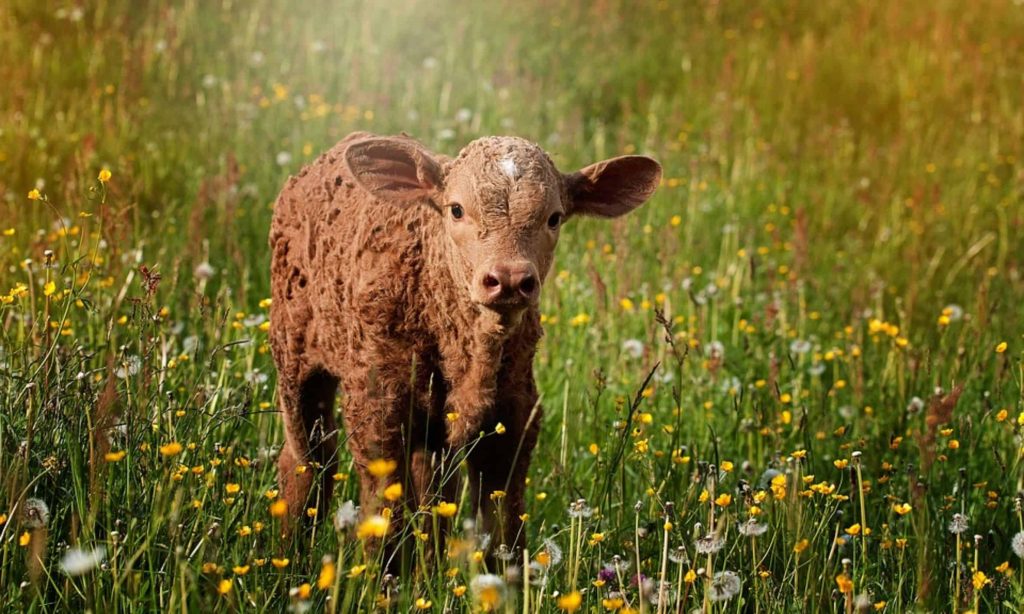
{"x":412,"y":280}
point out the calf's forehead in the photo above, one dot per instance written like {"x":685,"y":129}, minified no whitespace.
{"x":505,"y":174}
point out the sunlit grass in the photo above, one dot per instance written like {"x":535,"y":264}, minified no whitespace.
{"x":793,"y":381}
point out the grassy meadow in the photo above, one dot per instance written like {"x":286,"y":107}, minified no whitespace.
{"x":791,"y":382}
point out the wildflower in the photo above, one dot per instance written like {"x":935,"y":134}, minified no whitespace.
{"x":553,"y":551}
{"x":232,"y":488}
{"x":279,"y":508}
{"x":3,"y":519}
{"x":1017,"y":543}
{"x":980,"y":580}
{"x":423,"y":604}
{"x":724,"y":586}
{"x":752,"y":528}
{"x":853,"y":529}
{"x":690,"y":577}
{"x":801,"y":545}
{"x":25,"y":539}
{"x":356,"y":571}
{"x":499,"y":429}
{"x":844,"y":583}
{"x":382,"y":468}
{"x":76,"y":561}
{"x":171,"y":449}
{"x":240,"y":570}
{"x":459,"y":590}
{"x":709,"y":544}
{"x":570,"y":602}
{"x":489,"y":591}
{"x":204,"y":271}
{"x":104,"y":175}
{"x":34,"y":194}
{"x":224,"y":586}
{"x":902,"y":508}
{"x":958,"y":524}
{"x":35,"y":513}
{"x":346,"y":516}
{"x":445,"y":509}
{"x":280,"y":563}
{"x":633,"y":348}
{"x":678,"y":555}
{"x":393,"y":492}
{"x":580,"y":509}
{"x":49,"y":288}
{"x":113,"y":457}
{"x":1001,"y":348}
{"x":723,"y":500}
{"x":374,"y":526}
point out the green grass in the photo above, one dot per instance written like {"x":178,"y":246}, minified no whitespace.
{"x":837,"y":174}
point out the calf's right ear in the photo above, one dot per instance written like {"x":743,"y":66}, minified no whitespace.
{"x":393,"y":168}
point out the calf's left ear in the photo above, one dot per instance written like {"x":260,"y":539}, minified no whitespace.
{"x":612,"y":187}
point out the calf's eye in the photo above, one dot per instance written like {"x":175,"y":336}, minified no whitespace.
{"x":457,"y":211}
{"x":554,"y":220}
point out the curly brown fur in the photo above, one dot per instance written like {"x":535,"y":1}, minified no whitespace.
{"x":411,"y":281}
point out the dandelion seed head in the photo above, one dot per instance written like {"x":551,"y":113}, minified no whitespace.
{"x":724,"y":586}
{"x":35,"y":513}
{"x":77,"y":561}
{"x":959,"y":524}
{"x":1017,"y":543}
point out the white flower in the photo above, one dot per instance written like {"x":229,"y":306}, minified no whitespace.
{"x":35,"y":513}
{"x":489,"y":589}
{"x":633,"y":347}
{"x":463,"y":115}
{"x":446,"y":134}
{"x":800,"y":346}
{"x":204,"y":271}
{"x":1017,"y":543}
{"x":724,"y":586}
{"x":580,"y":509}
{"x":958,"y":524}
{"x":709,"y":544}
{"x":129,"y":366}
{"x":916,"y":404}
{"x":76,"y":561}
{"x":346,"y":516}
{"x":752,"y":528}
{"x":284,"y":158}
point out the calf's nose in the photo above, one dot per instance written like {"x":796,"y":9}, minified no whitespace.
{"x":504,"y":281}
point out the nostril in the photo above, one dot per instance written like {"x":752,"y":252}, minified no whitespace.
{"x":491,"y":281}
{"x":528,"y":284}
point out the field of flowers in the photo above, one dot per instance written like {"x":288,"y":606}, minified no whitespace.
{"x":793,"y":382}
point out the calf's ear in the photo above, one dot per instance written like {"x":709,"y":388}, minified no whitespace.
{"x":394,"y":168}
{"x":612,"y":187}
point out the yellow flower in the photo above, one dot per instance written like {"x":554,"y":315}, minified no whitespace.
{"x":690,"y":577}
{"x":326,"y":578}
{"x":3,"y":519}
{"x":841,"y":463}
{"x":244,"y":531}
{"x":280,"y":563}
{"x":171,"y":449}
{"x":34,"y":194}
{"x":902,"y":508}
{"x":844,"y":583}
{"x":311,"y":512}
{"x":374,"y":526}
{"x":544,"y":558}
{"x":570,"y":602}
{"x":113,"y":457}
{"x":853,"y":529}
{"x":459,"y":590}
{"x":382,"y":467}
{"x":723,"y":500}
{"x":1001,"y":348}
{"x":727,"y":466}
{"x":279,"y":508}
{"x":25,"y":538}
{"x":104,"y":175}
{"x":49,"y":288}
{"x":423,"y":604}
{"x":271,"y":493}
{"x":224,"y":586}
{"x":356,"y":571}
{"x":303,"y":591}
{"x":676,"y":220}
{"x":240,"y":570}
{"x":393,"y":492}
{"x":801,"y":545}
{"x":979,"y":579}
{"x":499,"y":429}
{"x":232,"y":488}
{"x":613,"y":603}
{"x":446,"y":510}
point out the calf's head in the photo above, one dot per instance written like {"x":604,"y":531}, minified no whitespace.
{"x":504,"y":204}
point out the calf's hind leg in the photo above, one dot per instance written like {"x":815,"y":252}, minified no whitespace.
{"x":311,"y":438}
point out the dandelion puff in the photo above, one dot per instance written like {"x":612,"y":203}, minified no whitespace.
{"x":553,"y":550}
{"x":752,"y":528}
{"x":715,"y":350}
{"x":724,"y":586}
{"x":504,"y":553}
{"x":958,"y":524}
{"x":1018,"y":544}
{"x":35,"y":514}
{"x":76,"y":561}
{"x":204,"y":271}
{"x":538,"y":574}
{"x":916,"y":405}
{"x":954,"y":312}
{"x":678,"y":555}
{"x":800,"y":346}
{"x":489,"y":590}
{"x":283,"y":158}
{"x":816,"y":369}
{"x":709,"y":544}
{"x":346,"y":516}
{"x":580,"y":509}
{"x":633,"y":348}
